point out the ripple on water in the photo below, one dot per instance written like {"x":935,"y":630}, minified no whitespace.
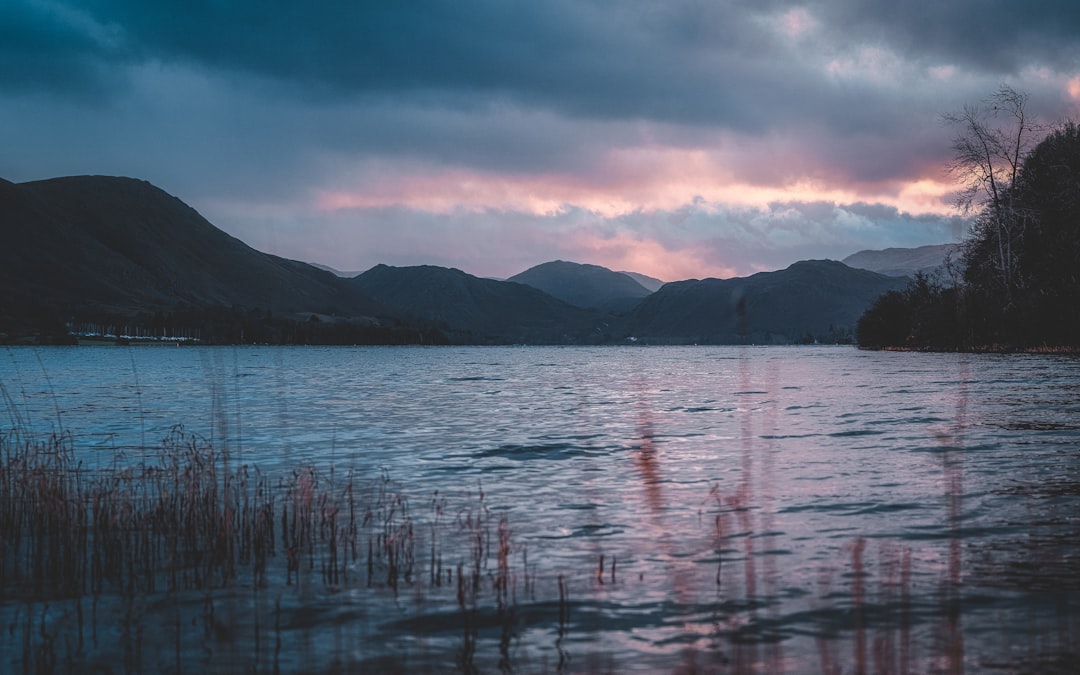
{"x":545,"y":451}
{"x":914,"y":493}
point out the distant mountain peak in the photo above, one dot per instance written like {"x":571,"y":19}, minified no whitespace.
{"x":650,"y":283}
{"x":584,"y":285}
{"x":336,"y":272}
{"x":810,"y":300}
{"x":901,"y":262}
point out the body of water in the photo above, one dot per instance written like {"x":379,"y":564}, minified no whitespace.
{"x":682,"y":509}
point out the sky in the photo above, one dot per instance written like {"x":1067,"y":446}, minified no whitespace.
{"x":677,"y":138}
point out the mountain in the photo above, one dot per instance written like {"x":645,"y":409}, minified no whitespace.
{"x":903,"y":262}
{"x":586,"y":286}
{"x":98,"y":248}
{"x":335,"y":272}
{"x":650,"y":283}
{"x":476,"y":310}
{"x":813,"y":299}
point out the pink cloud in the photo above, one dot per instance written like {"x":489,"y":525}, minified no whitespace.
{"x":629,"y":251}
{"x":628,"y":180}
{"x":1073,"y":89}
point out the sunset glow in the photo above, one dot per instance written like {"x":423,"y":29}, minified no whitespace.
{"x":686,"y":142}
{"x":640,"y":180}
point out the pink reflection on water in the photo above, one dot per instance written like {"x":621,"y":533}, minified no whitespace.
{"x":648,"y":465}
{"x":952,"y":457}
{"x":747,"y":530}
{"x":748,"y":513}
{"x":646,"y":460}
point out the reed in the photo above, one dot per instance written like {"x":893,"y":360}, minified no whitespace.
{"x":190,"y":521}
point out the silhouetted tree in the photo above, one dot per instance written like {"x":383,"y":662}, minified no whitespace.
{"x":1047,"y":190}
{"x":925,"y":315}
{"x":1021,"y":261}
{"x":993,"y":139}
{"x":887,"y":323}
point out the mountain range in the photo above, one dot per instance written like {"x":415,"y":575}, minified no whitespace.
{"x":115,"y":251}
{"x":904,"y":262}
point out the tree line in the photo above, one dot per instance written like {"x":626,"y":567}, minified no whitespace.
{"x":217,"y":326}
{"x":1016,"y":283}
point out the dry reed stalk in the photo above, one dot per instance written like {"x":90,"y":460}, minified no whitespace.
{"x":858,"y":607}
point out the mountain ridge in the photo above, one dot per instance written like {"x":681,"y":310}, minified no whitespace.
{"x":811,"y":300}
{"x":106,"y":248}
{"x":480,"y":310}
{"x":583,"y":285}
{"x":903,"y":262}
{"x":87,"y":247}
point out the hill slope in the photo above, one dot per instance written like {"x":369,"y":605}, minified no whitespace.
{"x":481,"y":310}
{"x":586,"y":286}
{"x":105,"y":248}
{"x":651,"y":284}
{"x":901,"y":262}
{"x":814,"y":299}
{"x":126,"y":244}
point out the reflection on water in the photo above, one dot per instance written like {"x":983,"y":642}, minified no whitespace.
{"x":579,"y":510}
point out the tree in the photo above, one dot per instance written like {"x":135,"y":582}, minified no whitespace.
{"x":1021,"y":262}
{"x":1048,"y":190}
{"x":887,"y":323}
{"x":925,"y":315}
{"x":993,"y":139}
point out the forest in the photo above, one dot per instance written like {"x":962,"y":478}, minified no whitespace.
{"x":1016,"y":284}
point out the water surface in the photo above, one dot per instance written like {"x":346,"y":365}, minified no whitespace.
{"x":774,"y":509}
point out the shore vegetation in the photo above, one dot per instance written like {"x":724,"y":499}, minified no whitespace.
{"x":1016,"y":284}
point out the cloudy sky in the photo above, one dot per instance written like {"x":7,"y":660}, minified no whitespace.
{"x":678,"y":138}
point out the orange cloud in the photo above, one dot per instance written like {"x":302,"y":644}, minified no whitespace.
{"x":1073,"y":88}
{"x":625,"y":251}
{"x":646,"y":179}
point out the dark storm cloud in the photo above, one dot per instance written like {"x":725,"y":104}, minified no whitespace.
{"x":52,"y":47}
{"x":984,"y":36}
{"x":680,"y":61}
{"x":497,"y":137}
{"x":684,"y":61}
{"x":690,"y":64}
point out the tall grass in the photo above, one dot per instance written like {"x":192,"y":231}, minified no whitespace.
{"x":191,"y":561}
{"x":194,"y":523}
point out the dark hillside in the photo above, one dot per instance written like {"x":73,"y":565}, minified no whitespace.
{"x":810,"y":300}
{"x":140,"y":247}
{"x":104,"y":249}
{"x":904,"y":262}
{"x":586,"y":286}
{"x":479,"y":310}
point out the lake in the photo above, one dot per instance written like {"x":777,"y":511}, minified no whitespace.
{"x":652,"y":509}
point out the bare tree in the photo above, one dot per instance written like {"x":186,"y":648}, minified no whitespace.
{"x":992,"y":140}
